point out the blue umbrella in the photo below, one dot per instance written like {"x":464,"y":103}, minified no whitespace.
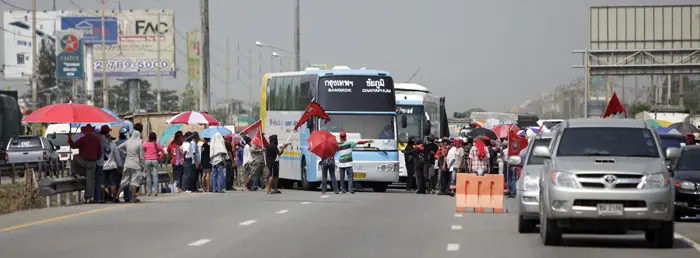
{"x":211,"y":131}
{"x":98,"y":125}
{"x":168,"y":134}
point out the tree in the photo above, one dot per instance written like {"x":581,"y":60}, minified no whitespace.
{"x":46,"y":78}
{"x":170,"y":100}
{"x":188,"y":99}
{"x":119,"y":96}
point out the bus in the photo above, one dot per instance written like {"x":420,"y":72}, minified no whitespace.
{"x":418,"y":116}
{"x":359,"y":102}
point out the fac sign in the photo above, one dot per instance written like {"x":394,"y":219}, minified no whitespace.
{"x":144,"y":27}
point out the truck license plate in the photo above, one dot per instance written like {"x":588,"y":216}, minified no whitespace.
{"x":610,"y":209}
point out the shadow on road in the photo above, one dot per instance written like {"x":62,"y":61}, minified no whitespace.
{"x":611,"y":242}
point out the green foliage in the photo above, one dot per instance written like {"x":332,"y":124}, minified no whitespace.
{"x":188,"y":99}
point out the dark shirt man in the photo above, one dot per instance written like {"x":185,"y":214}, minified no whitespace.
{"x":84,"y":164}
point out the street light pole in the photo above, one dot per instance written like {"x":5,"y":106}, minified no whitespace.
{"x":297,"y":43}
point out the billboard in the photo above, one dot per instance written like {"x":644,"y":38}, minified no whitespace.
{"x":18,"y":40}
{"x":91,"y":28}
{"x":69,"y":55}
{"x":193,"y":55}
{"x":136,"y":54}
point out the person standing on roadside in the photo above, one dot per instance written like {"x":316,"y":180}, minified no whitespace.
{"x":257,"y":163}
{"x":176,"y":158}
{"x":187,"y":163}
{"x":153,"y":152}
{"x":84,"y":163}
{"x":230,"y":164}
{"x":100,"y":162}
{"x":479,"y":158}
{"x":345,"y":165}
{"x":113,"y":171}
{"x":273,"y":151}
{"x":410,"y":157}
{"x":135,"y":162}
{"x":206,"y":164}
{"x":429,"y":150}
{"x":328,"y":168}
{"x":240,"y":168}
{"x":217,"y":158}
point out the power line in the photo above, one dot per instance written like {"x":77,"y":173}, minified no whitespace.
{"x":14,"y":6}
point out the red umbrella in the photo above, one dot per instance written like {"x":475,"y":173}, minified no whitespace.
{"x":69,"y":113}
{"x":502,"y":130}
{"x":323,"y":144}
{"x":193,"y":118}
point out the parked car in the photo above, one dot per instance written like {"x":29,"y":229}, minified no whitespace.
{"x":528,"y":185}
{"x":606,"y":175}
{"x":33,"y":151}
{"x":686,"y":174}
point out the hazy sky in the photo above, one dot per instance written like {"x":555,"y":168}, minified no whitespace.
{"x":489,"y":54}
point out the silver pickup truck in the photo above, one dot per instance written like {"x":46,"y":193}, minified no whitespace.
{"x":31,"y":150}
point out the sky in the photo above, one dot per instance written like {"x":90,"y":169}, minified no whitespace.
{"x":487,"y":54}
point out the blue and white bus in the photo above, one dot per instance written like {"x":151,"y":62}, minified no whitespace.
{"x":359,"y":102}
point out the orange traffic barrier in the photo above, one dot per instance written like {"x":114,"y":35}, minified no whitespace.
{"x":479,"y":192}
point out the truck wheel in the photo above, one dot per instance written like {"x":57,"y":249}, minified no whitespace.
{"x":526,"y":225}
{"x":550,"y":231}
{"x":663,"y":237}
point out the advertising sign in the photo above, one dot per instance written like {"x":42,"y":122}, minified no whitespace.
{"x":136,"y":54}
{"x":193,"y":55}
{"x":91,"y":28}
{"x":69,"y":55}
{"x":17,"y":27}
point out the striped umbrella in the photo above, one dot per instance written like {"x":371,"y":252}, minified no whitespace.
{"x":193,"y":118}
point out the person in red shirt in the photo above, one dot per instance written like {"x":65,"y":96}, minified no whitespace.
{"x":176,"y":158}
{"x":90,"y":147}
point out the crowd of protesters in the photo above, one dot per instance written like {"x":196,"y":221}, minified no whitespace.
{"x":439,"y":160}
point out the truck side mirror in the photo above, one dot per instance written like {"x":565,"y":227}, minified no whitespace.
{"x":310,"y":124}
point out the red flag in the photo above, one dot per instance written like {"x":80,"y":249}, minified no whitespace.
{"x":614,"y":107}
{"x":516,"y":143}
{"x":312,"y":110}
{"x":252,"y":129}
{"x":259,"y":140}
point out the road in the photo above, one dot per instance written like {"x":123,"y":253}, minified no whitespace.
{"x":296,"y":224}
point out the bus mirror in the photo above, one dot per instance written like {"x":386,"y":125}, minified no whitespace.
{"x":53,"y":135}
{"x":404,"y":121}
{"x":426,"y":129}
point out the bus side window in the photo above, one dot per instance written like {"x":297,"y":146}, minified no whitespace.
{"x":313,"y":80}
{"x":294,"y":97}
{"x":270,"y":93}
{"x":304,"y":92}
{"x":275,"y":105}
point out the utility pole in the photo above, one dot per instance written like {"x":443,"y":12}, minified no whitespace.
{"x":297,"y":43}
{"x":228,"y":81}
{"x":636,"y":89}
{"x":204,"y":94}
{"x":250,"y":79}
{"x":35,"y":58}
{"x":158,"y":100}
{"x":105,"y":65}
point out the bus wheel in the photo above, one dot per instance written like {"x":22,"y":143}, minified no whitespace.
{"x":305,"y":184}
{"x":380,"y":188}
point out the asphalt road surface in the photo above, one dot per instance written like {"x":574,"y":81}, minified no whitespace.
{"x":298,"y":224}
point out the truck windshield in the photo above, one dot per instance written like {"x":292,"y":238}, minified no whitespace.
{"x":379,"y":128}
{"x":25,"y":143}
{"x":414,"y":117}
{"x":602,"y":141}
{"x":61,"y":139}
{"x":689,"y":160}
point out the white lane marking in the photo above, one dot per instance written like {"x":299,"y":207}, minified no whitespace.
{"x":458,"y":215}
{"x":687,"y":241}
{"x":324,"y":196}
{"x":247,"y":222}
{"x":452,"y":247}
{"x":305,"y":202}
{"x":200,"y":242}
{"x":282,"y":212}
{"x":456,"y":227}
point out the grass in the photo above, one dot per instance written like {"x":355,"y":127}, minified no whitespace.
{"x":15,"y":197}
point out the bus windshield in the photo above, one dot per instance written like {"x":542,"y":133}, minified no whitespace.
{"x":414,"y":117}
{"x":379,"y":128}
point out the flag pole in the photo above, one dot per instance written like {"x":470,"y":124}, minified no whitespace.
{"x":293,"y":131}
